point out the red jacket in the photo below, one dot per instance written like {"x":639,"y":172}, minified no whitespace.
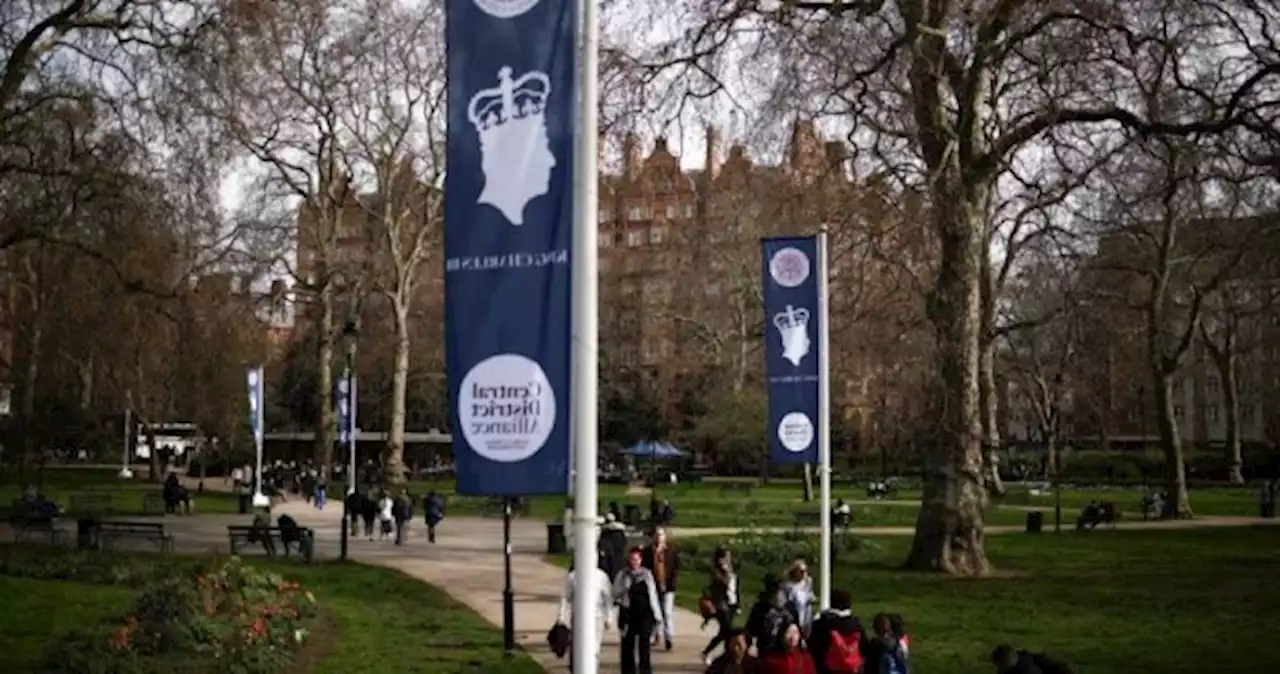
{"x":795,"y":662}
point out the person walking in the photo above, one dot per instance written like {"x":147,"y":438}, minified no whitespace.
{"x":799,"y":590}
{"x":639,"y":614}
{"x":604,"y":608}
{"x":322,"y":488}
{"x":722,"y":590}
{"x":836,"y":638}
{"x":433,"y":511}
{"x":663,"y":561}
{"x":386,"y":515}
{"x":402,"y":512}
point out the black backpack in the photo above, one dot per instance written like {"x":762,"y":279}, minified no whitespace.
{"x":638,"y":600}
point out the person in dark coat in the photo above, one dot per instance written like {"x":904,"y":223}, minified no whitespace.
{"x":433,"y":511}
{"x":352,"y":504}
{"x":613,"y":541}
{"x":368,"y":512}
{"x":402,"y":513}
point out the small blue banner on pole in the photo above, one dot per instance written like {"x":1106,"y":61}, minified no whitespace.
{"x":792,"y":314}
{"x":342,"y":398}
{"x":253,"y":377}
{"x":508,"y":233}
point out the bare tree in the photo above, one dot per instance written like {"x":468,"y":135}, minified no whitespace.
{"x":397,"y":130}
{"x":954,"y":92}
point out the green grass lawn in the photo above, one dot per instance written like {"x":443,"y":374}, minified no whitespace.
{"x":372,"y":616}
{"x":59,"y":484}
{"x":1174,"y":602}
{"x":37,"y":613}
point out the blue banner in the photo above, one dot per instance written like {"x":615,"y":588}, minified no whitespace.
{"x":508,"y":232}
{"x":791,"y":313}
{"x":253,"y":378}
{"x":344,"y":400}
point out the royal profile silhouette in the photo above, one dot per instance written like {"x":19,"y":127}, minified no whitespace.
{"x":793,"y":328}
{"x":515,"y":150}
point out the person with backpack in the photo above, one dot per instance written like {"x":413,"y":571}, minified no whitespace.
{"x":883,"y":652}
{"x":604,"y":607}
{"x":639,"y":614}
{"x":769,"y":616}
{"x":835,"y":640}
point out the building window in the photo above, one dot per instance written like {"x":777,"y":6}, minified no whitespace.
{"x":655,"y":234}
{"x":1211,"y":413}
{"x":1246,"y":414}
{"x":1213,"y":387}
{"x":605,"y":239}
{"x":635,"y":238}
{"x":636,"y":213}
{"x":603,"y":215}
{"x":688,"y":211}
{"x":673,"y":211}
{"x":1177,"y":411}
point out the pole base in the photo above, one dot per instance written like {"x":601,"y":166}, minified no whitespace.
{"x":261,"y":500}
{"x":125,"y":474}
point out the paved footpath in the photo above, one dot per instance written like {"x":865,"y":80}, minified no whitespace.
{"x":466,"y":562}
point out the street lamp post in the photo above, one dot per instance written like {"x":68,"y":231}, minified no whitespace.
{"x":350,"y":334}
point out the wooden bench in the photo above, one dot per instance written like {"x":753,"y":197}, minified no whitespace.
{"x":807,"y":519}
{"x":240,"y":536}
{"x":494,"y":507}
{"x":739,"y":488}
{"x":108,"y":532}
{"x":24,"y":522}
{"x":152,"y":503}
{"x":93,"y":504}
{"x":1095,"y":514}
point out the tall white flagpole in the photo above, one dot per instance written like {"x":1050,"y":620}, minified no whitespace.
{"x":824,"y":417}
{"x":586,"y":365}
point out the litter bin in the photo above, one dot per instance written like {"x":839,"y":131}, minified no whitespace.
{"x":631,"y":515}
{"x":1035,"y":522}
{"x":87,"y":533}
{"x":556,"y":544}
{"x":243,"y":500}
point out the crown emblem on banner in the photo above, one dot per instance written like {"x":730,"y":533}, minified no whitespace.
{"x":511,"y":101}
{"x":793,"y":328}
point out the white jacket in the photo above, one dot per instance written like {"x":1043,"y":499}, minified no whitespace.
{"x":604,"y":598}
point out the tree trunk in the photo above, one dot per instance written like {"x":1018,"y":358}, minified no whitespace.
{"x":393,"y":453}
{"x":1231,"y":397}
{"x":990,"y":404}
{"x":1050,"y":455}
{"x":155,"y":471}
{"x":808,"y":483}
{"x":1178,"y":504}
{"x":30,"y":379}
{"x":324,"y":424}
{"x":949,"y":530}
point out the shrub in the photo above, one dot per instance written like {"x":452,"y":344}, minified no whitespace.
{"x":94,"y":568}
{"x":770,"y":551}
{"x":229,"y":617}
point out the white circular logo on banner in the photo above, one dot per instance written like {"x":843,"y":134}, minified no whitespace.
{"x":789,"y":267}
{"x":795,"y":432}
{"x":506,"y":408}
{"x":506,"y":9}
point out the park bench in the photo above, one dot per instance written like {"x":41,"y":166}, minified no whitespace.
{"x":881,"y":490}
{"x":808,"y":519}
{"x":240,"y":536}
{"x":152,"y":503}
{"x":1097,"y":513}
{"x":152,"y":532}
{"x":25,"y":521}
{"x":92,"y":504}
{"x":493,"y":507}
{"x":739,"y":488}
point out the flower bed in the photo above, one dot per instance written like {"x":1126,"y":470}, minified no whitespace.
{"x":212,"y":615}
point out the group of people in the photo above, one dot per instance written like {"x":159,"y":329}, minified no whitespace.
{"x":391,"y":513}
{"x":782,"y":627}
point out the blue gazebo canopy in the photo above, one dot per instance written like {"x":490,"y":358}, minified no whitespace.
{"x":654,"y":450}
